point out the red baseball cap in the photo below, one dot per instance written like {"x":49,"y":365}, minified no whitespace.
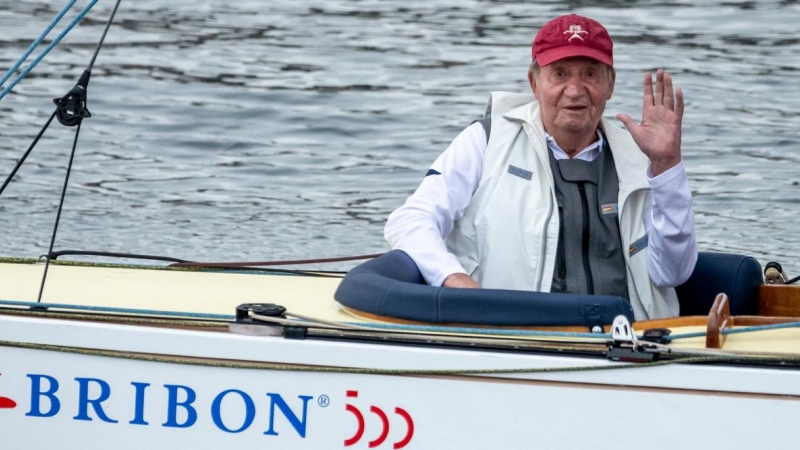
{"x":572,"y":35}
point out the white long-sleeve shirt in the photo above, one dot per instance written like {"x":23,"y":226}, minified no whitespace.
{"x":420,"y":226}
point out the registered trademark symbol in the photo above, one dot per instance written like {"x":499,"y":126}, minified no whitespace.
{"x":323,"y":401}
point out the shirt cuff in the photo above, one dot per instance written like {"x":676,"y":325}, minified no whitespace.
{"x":667,"y":177}
{"x":450,"y":268}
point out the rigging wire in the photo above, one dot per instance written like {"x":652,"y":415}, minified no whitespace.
{"x":47,"y":49}
{"x":103,"y":36}
{"x":70,"y":111}
{"x":60,"y":206}
{"x":37,"y":41}
{"x":36,"y":61}
{"x":27,"y":152}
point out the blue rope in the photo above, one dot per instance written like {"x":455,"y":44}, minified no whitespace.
{"x":381,"y":326}
{"x":776,"y":326}
{"x":495,"y":331}
{"x":55,"y":42}
{"x":119,"y":310}
{"x":486,"y":331}
{"x":37,"y":41}
{"x":687,"y":335}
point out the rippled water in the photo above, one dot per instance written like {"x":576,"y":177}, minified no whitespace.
{"x":255,"y":130}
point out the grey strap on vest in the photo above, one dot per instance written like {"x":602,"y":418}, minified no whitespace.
{"x":486,"y":123}
{"x":589,"y":258}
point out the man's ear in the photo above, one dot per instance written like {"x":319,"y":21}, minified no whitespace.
{"x":532,"y":82}
{"x":612,"y":81}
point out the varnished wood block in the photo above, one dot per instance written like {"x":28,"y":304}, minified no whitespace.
{"x":779,"y":300}
{"x":719,"y":318}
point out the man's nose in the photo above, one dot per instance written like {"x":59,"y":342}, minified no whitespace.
{"x":574,"y":87}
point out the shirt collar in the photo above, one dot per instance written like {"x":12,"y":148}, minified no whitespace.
{"x":590,"y":153}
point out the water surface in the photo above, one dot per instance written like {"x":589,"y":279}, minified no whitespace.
{"x":255,"y":130}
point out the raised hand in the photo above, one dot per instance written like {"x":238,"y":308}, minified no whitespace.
{"x":659,"y":134}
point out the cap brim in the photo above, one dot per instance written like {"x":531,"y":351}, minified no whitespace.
{"x":571,"y":51}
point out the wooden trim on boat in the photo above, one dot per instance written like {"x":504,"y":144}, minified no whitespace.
{"x":387,"y":319}
{"x":779,"y":300}
{"x":201,"y":325}
{"x":674,"y":322}
{"x":752,"y":321}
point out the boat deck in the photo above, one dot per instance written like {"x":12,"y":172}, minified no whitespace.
{"x":152,"y":290}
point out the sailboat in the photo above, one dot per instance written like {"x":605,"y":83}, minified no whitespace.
{"x":190,"y":355}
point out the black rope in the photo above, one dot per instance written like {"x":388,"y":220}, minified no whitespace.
{"x":308,"y":273}
{"x":84,"y":80}
{"x":27,"y":152}
{"x":103,"y":36}
{"x":60,"y":206}
{"x":793,"y":280}
{"x":70,"y":111}
{"x":55,"y":255}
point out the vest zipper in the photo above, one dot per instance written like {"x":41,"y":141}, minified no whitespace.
{"x":544,"y":242}
{"x":585,"y":239}
{"x":562,"y":263}
{"x":626,"y":253}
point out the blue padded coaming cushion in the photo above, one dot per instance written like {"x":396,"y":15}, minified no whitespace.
{"x":737,"y":276}
{"x":392,"y":286}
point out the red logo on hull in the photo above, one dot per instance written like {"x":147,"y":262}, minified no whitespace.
{"x":379,"y":440}
{"x":7,"y":403}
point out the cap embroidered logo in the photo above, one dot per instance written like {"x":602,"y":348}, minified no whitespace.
{"x":576,"y":31}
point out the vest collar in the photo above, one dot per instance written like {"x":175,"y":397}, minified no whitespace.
{"x":630,"y":162}
{"x":527,"y":113}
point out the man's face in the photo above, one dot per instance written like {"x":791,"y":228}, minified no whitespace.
{"x":572,"y":95}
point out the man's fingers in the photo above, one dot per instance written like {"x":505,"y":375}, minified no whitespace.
{"x":628,"y":121}
{"x":648,"y":90}
{"x":669,"y":99}
{"x":679,"y":103}
{"x":659,"y":99}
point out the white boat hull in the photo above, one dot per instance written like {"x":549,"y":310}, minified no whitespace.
{"x":86,"y":399}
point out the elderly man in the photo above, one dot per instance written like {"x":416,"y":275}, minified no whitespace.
{"x":545,"y":194}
